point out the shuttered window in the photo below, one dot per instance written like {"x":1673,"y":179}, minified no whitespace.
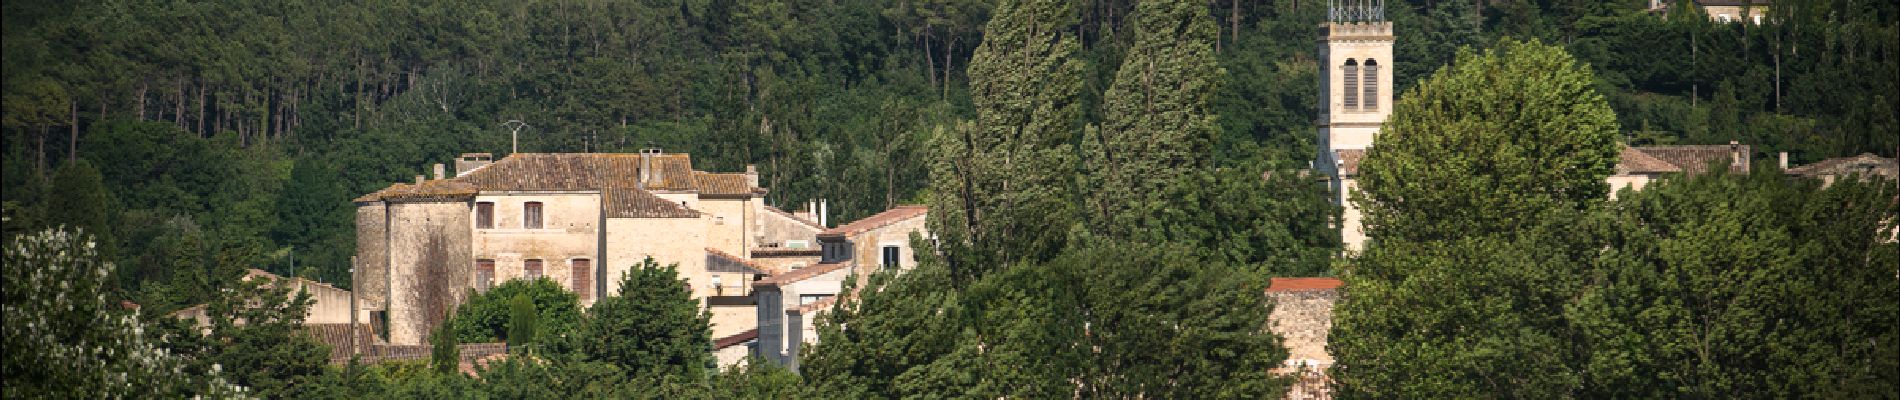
{"x":583,"y":278}
{"x":485,"y":215}
{"x":531,"y":215}
{"x":531,"y":269}
{"x":484,"y":275}
{"x":1371,"y":82}
{"x":1351,"y":87}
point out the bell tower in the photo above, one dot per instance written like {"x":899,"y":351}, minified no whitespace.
{"x":1355,"y":81}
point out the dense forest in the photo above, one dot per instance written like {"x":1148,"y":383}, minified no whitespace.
{"x":1095,"y":171}
{"x":238,"y":131}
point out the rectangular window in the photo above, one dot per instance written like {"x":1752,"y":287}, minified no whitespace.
{"x":1351,"y":87}
{"x":531,"y":269}
{"x":804,"y":299}
{"x":891,"y":259}
{"x":583,"y":278}
{"x":485,"y":215}
{"x":1371,"y":83}
{"x":531,"y":215}
{"x":484,"y":275}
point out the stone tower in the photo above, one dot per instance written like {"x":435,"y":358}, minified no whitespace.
{"x":1355,"y":80}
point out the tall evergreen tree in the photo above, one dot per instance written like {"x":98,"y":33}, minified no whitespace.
{"x":1005,"y":184}
{"x":1158,"y":130}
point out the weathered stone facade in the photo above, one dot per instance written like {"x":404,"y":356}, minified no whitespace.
{"x":1303,"y":317}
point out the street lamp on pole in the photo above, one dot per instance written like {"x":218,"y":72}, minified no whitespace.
{"x":515,"y":125}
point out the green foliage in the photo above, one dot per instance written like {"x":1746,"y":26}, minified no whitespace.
{"x":1752,"y":287}
{"x":757,"y":379}
{"x":521,"y":321}
{"x":257,"y":335}
{"x":653,"y":330}
{"x":1487,"y":144}
{"x":487,"y":316}
{"x":444,"y":356}
{"x":81,"y":200}
{"x":63,"y":339}
{"x":1015,"y":162}
{"x":1158,"y":130}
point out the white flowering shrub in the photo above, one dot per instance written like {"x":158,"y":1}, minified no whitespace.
{"x":63,"y":339}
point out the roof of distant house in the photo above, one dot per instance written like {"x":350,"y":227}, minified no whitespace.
{"x":636,"y":203}
{"x":1633,"y":161}
{"x":800,"y":274}
{"x":736,"y":339}
{"x":1695,"y":159}
{"x":879,"y":220}
{"x":1293,"y":284}
{"x":756,"y":267}
{"x":793,"y":217}
{"x":1865,"y":164}
{"x":711,"y":184}
{"x":1349,"y":160}
{"x":807,"y":309}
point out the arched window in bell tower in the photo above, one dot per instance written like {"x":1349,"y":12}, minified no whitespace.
{"x":1371,"y":81}
{"x":1351,"y":86}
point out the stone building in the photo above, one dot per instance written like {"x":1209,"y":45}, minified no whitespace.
{"x":789,"y":304}
{"x":1303,"y":318}
{"x":580,"y":220}
{"x":1637,"y":166}
{"x":1864,"y":166}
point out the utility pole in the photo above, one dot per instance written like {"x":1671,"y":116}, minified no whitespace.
{"x":515,"y":125}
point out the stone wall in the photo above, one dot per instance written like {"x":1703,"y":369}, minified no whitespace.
{"x":370,"y":280}
{"x":569,"y":231}
{"x":431,"y":265}
{"x":868,"y":247}
{"x":1303,"y":318}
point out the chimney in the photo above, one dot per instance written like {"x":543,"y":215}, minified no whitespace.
{"x":440,"y":171}
{"x":824,"y":213}
{"x":752,"y":175}
{"x":1784,"y":161}
{"x":419,"y":179}
{"x":470,"y":161}
{"x":1735,"y":154}
{"x":646,"y":167}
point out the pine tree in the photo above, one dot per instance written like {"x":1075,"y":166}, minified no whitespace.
{"x":1158,"y":126}
{"x":1009,"y":176}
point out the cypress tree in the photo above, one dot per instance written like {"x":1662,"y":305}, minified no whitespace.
{"x":521,"y":321}
{"x":1158,"y":126}
{"x":1005,"y":183}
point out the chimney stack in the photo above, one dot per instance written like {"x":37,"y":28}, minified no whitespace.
{"x":441,"y":171}
{"x":1784,"y":161}
{"x":646,"y":166}
{"x":752,"y":175}
{"x":1735,"y":154}
{"x":824,"y":213}
{"x":419,"y":179}
{"x":470,"y":161}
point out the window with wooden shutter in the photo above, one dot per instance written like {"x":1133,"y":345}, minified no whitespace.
{"x":583,"y":278}
{"x":531,"y":215}
{"x":484,"y":275}
{"x":1371,"y":82}
{"x":485,"y":215}
{"x":531,"y":269}
{"x":1351,"y":86}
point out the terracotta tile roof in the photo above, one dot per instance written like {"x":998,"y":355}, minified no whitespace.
{"x":1633,"y":161}
{"x":891,"y":216}
{"x":794,"y":218}
{"x":337,"y":336}
{"x":1864,"y":164}
{"x":636,"y":203}
{"x":799,"y":274}
{"x":581,"y":171}
{"x":771,"y":252}
{"x":1349,"y":160}
{"x":1695,"y":159}
{"x":741,"y":261}
{"x":433,"y":190}
{"x":1292,"y":284}
{"x":711,"y":184}
{"x":736,"y":339}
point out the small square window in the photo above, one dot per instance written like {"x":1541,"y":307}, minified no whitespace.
{"x":531,"y":269}
{"x":485,"y":215}
{"x":531,"y":215}
{"x":892,"y":257}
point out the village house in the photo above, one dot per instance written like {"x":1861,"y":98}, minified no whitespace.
{"x":790,"y":304}
{"x":578,"y":219}
{"x":1864,"y":166}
